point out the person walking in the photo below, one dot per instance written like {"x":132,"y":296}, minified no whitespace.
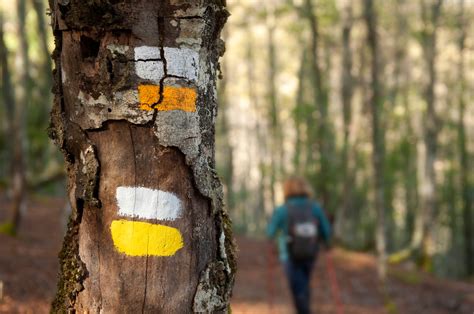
{"x":298,"y":225}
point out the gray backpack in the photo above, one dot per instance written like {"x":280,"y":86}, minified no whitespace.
{"x":302,"y":232}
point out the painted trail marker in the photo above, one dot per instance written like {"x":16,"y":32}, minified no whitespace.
{"x":180,"y":63}
{"x":148,"y":65}
{"x":145,"y":203}
{"x":136,"y":238}
{"x":174,"y":98}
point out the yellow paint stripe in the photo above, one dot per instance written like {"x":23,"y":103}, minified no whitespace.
{"x":174,"y":98}
{"x":135,"y":238}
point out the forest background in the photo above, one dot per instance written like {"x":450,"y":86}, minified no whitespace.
{"x":371,"y":101}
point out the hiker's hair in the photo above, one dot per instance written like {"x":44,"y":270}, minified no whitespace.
{"x":296,"y":186}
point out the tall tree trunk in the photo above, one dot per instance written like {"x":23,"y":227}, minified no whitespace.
{"x":423,"y":226}
{"x":134,"y":115}
{"x":321,"y":102}
{"x":223,"y":132}
{"x":43,"y":41}
{"x":18,"y":162}
{"x":465,"y":170}
{"x":261,"y":142}
{"x":7,"y":92}
{"x":298,"y":112}
{"x":346,"y":93}
{"x":378,"y":136}
{"x":276,"y":148}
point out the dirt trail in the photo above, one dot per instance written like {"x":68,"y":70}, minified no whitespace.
{"x":406,"y":292}
{"x":28,"y":268}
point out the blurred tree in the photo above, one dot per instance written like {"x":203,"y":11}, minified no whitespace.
{"x":430,"y":15}
{"x":321,"y":102}
{"x":18,"y":126}
{"x":378,"y":135}
{"x":346,"y":95}
{"x":226,"y":153}
{"x":274,"y":110}
{"x":8,"y":96}
{"x":464,"y":169}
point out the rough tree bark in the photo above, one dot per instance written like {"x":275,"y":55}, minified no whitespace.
{"x":134,"y":114}
{"x":378,"y":136}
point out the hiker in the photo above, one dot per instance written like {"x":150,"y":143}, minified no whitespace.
{"x":298,"y":225}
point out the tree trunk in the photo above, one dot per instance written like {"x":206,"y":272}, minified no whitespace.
{"x":321,"y":103}
{"x":8,"y":96}
{"x":298,"y":112}
{"x":275,"y":128}
{"x":17,"y":162}
{"x":423,"y":233}
{"x":378,"y":137}
{"x":261,"y":142}
{"x":43,"y":40}
{"x":227,"y":160}
{"x":465,"y":169}
{"x":346,"y":93}
{"x":134,"y":115}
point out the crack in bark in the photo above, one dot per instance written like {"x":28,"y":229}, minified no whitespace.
{"x":135,"y":184}
{"x":161,"y":22}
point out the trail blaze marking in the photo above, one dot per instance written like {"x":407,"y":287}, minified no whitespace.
{"x":148,"y":95}
{"x":174,"y":98}
{"x":135,"y":238}
{"x":181,"y":63}
{"x":147,"y":63}
{"x":178,"y":98}
{"x":148,"y":203}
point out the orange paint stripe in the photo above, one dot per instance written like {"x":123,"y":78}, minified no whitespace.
{"x":148,"y":95}
{"x":174,"y":98}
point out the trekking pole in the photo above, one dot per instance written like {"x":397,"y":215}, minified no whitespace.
{"x":334,"y":285}
{"x":269,"y":272}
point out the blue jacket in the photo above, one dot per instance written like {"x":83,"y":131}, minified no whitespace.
{"x":278,"y":226}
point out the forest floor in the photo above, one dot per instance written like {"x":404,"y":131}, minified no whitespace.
{"x":28,"y":270}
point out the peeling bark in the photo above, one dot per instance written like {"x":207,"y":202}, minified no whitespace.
{"x":135,"y":107}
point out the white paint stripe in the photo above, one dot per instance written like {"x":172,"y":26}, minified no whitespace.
{"x":182,"y":62}
{"x":149,"y":70}
{"x":148,"y":203}
{"x":147,"y":52}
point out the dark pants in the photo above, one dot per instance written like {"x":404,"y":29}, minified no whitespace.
{"x":299,"y":276}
